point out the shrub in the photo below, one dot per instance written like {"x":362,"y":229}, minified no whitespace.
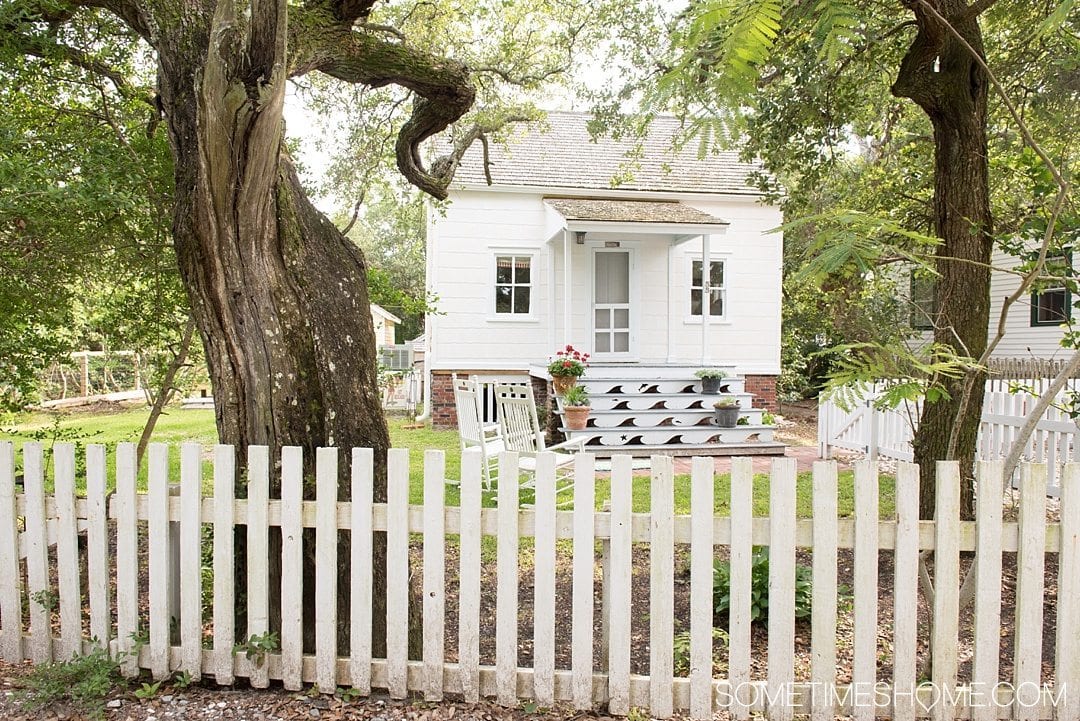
{"x":759,"y":588}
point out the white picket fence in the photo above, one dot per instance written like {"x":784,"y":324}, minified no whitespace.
{"x":112,"y":551}
{"x":887,"y":433}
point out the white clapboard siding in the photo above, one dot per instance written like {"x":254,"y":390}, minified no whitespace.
{"x":326,"y":568}
{"x":11,"y":618}
{"x":741,"y":560}
{"x":159,"y":559}
{"x":1067,"y":666}
{"x":544,"y":583}
{"x":191,"y":559}
{"x":781,"y":587}
{"x":397,"y":572}
{"x":581,"y":661}
{"x":37,"y":555}
{"x":620,"y":586}
{"x":864,"y":657}
{"x":97,"y":547}
{"x":701,"y":588}
{"x":434,"y":574}
{"x":292,"y":568}
{"x":67,"y":552}
{"x":224,"y":570}
{"x":127,"y":558}
{"x":1030,"y":563}
{"x":987,"y":570}
{"x":469,"y":576}
{"x":506,"y":574}
{"x":823,"y":604}
{"x":946,"y":585}
{"x":361,"y":537}
{"x":906,"y":589}
{"x":59,"y":516}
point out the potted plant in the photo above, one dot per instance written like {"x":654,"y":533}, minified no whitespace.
{"x":727,"y":412}
{"x":567,"y":366}
{"x":576,"y":407}
{"x":710,"y":379}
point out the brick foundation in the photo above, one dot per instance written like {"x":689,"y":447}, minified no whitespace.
{"x":764,"y":390}
{"x":443,"y":411}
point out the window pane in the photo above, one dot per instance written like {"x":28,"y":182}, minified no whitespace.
{"x":695,"y":302}
{"x":503,"y":269}
{"x":622,"y":342}
{"x":1052,"y":306}
{"x":521,"y":270}
{"x":695,"y":273}
{"x":716,"y":273}
{"x":503,"y":295}
{"x":603,"y":343}
{"x":716,"y":306}
{"x":521,"y":299}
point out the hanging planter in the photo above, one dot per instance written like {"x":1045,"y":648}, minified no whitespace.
{"x":568,"y":366}
{"x":563,"y":384}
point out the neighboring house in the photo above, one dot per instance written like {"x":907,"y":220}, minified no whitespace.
{"x":1034,"y":325}
{"x":652,"y":260}
{"x":384,"y":322}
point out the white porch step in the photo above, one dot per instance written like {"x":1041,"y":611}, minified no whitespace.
{"x":639,"y":371}
{"x":657,"y":387}
{"x":671,"y":436}
{"x":664,"y":401}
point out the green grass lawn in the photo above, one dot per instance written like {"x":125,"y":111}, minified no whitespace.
{"x":178,"y":426}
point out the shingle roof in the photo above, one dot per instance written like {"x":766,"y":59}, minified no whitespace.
{"x":631,"y":211}
{"x":563,"y":155}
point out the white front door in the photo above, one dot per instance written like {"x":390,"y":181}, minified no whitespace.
{"x":612,"y":304}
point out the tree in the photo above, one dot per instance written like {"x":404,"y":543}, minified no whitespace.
{"x":800,"y":82}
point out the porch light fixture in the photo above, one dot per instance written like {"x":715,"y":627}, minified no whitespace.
{"x":579,"y":237}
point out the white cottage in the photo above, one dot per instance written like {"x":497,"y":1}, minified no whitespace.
{"x":654,"y":261}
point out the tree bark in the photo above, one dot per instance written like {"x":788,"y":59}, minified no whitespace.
{"x":941,"y":76}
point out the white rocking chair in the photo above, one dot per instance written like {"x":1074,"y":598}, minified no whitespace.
{"x":521,"y":432}
{"x":472,"y":431}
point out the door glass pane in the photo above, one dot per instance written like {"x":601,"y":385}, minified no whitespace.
{"x":622,"y":342}
{"x":622,"y":318}
{"x":603,"y":343}
{"x":613,"y":277}
{"x":601,"y":316}
{"x":521,"y":299}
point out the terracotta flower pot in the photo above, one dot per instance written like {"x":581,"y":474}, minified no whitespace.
{"x":576,"y":417}
{"x":563,"y":384}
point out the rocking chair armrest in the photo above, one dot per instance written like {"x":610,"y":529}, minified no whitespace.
{"x":576,"y":445}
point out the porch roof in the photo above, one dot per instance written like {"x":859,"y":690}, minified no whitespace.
{"x":644,"y":216}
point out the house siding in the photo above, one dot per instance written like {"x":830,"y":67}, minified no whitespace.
{"x":1022,"y":340}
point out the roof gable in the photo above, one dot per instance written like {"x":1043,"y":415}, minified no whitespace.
{"x":563,"y":155}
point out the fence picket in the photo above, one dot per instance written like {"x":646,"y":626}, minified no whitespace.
{"x":544,"y":583}
{"x":987,"y":570}
{"x":906,"y":589}
{"x":159,"y":559}
{"x":864,"y":657}
{"x":397,"y":572}
{"x":224,"y":563}
{"x":506,"y":572}
{"x":127,"y":559}
{"x":621,"y":576}
{"x":37,"y":555}
{"x":11,"y":616}
{"x":1067,"y":662}
{"x":361,"y":538}
{"x":97,"y":546}
{"x":701,"y":588}
{"x":326,"y":568}
{"x":67,"y":551}
{"x":946,"y":590}
{"x":469,"y":576}
{"x":434,"y":573}
{"x":191,"y":559}
{"x":1030,"y":562}
{"x":662,"y":585}
{"x":258,"y":553}
{"x":781,"y":672}
{"x":292,"y":567}
{"x":581,"y":642}
{"x":741,"y":560}
{"x":823,"y":605}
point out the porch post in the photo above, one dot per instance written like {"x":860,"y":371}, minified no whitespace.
{"x":706,"y":296}
{"x":567,"y":247}
{"x":671,"y":321}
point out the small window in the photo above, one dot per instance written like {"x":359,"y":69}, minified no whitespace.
{"x":714,"y":288}
{"x":923,"y":301}
{"x":1052,"y":305}
{"x":513,"y":284}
